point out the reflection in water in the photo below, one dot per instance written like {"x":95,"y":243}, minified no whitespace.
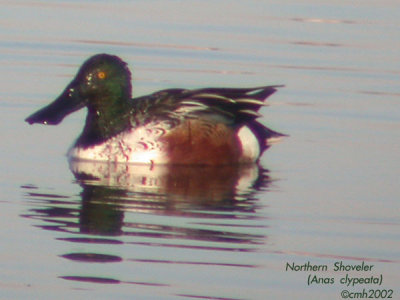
{"x":209,"y":208}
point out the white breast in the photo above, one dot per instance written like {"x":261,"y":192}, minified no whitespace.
{"x":139,"y":145}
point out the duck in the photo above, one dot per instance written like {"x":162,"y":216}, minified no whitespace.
{"x":205,"y":126}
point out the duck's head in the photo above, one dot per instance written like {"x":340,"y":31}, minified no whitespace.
{"x":103,"y":84}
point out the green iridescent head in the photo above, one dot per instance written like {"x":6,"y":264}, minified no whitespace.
{"x":103,"y":84}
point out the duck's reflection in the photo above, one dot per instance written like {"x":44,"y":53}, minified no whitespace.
{"x":109,"y":191}
{"x":211,"y":208}
{"x":188,"y":183}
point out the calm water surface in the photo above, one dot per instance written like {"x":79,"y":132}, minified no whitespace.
{"x":328,"y":193}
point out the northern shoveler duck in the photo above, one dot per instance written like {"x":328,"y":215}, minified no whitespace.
{"x":209,"y":126}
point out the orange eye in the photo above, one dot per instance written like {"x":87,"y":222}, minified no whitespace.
{"x":101,"y":75}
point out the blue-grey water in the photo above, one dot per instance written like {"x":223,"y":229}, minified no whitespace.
{"x":327,"y":193}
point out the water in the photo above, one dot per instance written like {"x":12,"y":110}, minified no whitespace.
{"x":328,"y":193}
